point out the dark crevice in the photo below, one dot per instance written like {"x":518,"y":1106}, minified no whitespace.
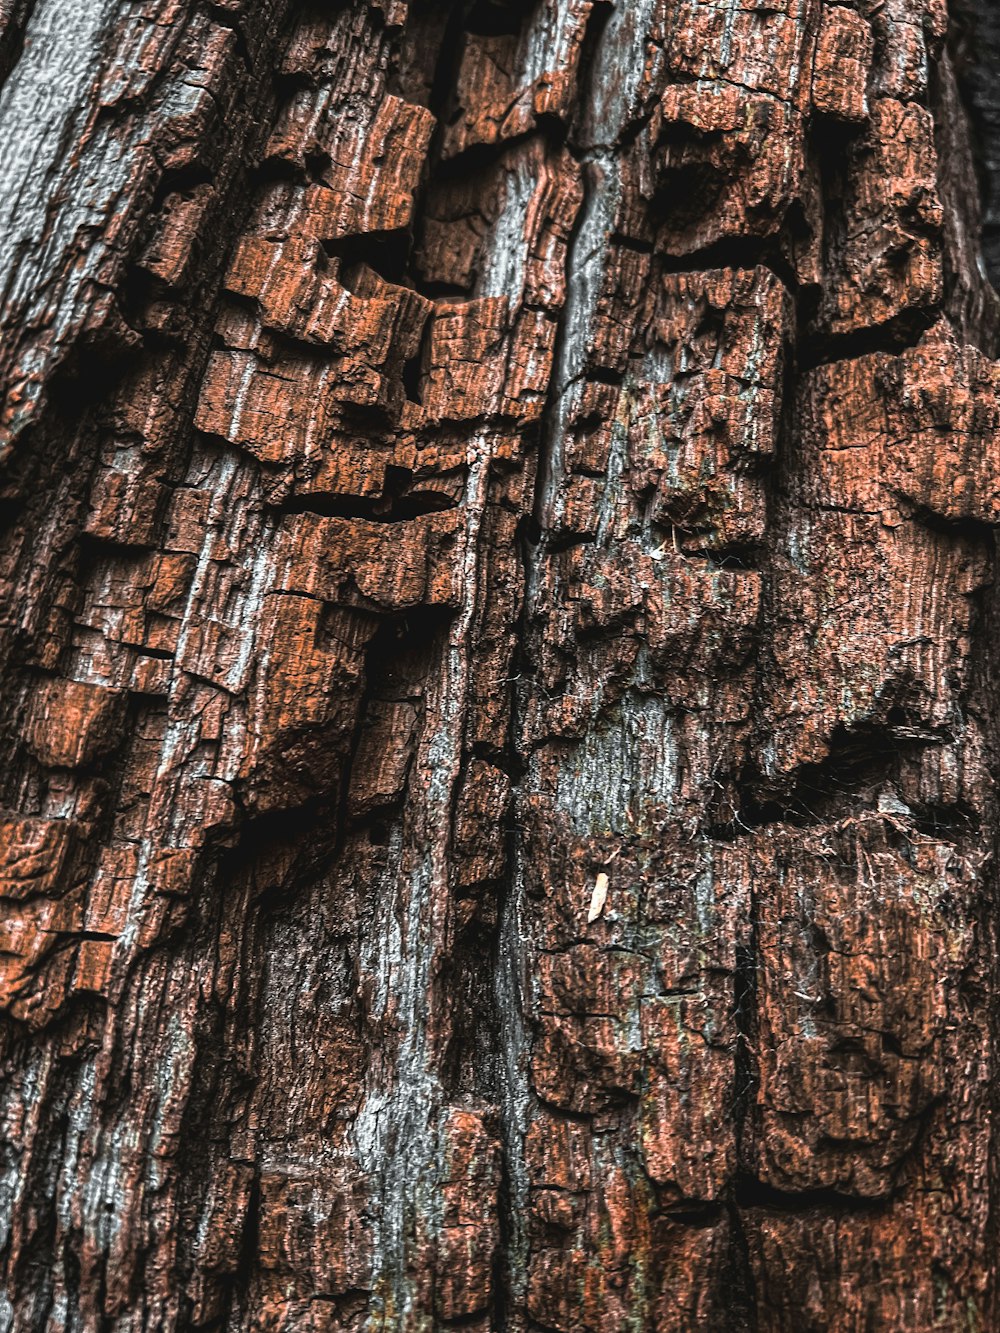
{"x":582,"y":134}
{"x":478,"y":157}
{"x":144,"y":650}
{"x":947,"y":823}
{"x":508,"y":761}
{"x":318,"y":827}
{"x":966,"y":528}
{"x":750,"y":1192}
{"x":494,"y":18}
{"x":180,"y":180}
{"x":738,"y":252}
{"x":446,"y":70}
{"x":317,"y":162}
{"x":227,"y":19}
{"x":689,"y":189}
{"x":386,"y":253}
{"x":414,"y":366}
{"x":840,"y":155}
{"x":93,"y":368}
{"x":249,"y":1252}
{"x":509,"y":1255}
{"x":378,"y":822}
{"x":974,"y":40}
{"x":605,"y":375}
{"x":745,"y":1022}
{"x":12,"y":30}
{"x":441,"y":290}
{"x":556,"y":388}
{"x":740,"y":1313}
{"x":565,"y":541}
{"x":296,"y":829}
{"x":970,"y":301}
{"x":385,"y":508}
{"x":895,"y":336}
{"x":470,"y":1062}
{"x":564,"y":1112}
{"x":860,"y":761}
{"x":697,"y":1213}
{"x":75,"y":936}
{"x":275,"y":171}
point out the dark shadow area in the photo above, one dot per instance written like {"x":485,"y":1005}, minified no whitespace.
{"x":975,"y":45}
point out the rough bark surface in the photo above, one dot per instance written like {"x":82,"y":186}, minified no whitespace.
{"x":498,"y":646}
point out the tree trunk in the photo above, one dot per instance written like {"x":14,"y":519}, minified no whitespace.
{"x":499,"y":665}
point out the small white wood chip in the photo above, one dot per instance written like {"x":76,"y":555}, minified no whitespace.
{"x":598,"y":898}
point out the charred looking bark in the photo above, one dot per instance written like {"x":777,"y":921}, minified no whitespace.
{"x":976,"y":41}
{"x":499,"y":727}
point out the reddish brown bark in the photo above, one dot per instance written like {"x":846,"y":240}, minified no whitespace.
{"x":497,"y":547}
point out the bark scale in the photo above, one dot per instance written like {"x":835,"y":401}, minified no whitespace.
{"x":457,"y":458}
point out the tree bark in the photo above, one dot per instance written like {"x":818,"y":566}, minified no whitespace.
{"x":497,"y":511}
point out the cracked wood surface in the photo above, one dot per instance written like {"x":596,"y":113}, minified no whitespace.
{"x":497,"y":509}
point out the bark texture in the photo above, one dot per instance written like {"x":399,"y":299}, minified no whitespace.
{"x":498,"y":649}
